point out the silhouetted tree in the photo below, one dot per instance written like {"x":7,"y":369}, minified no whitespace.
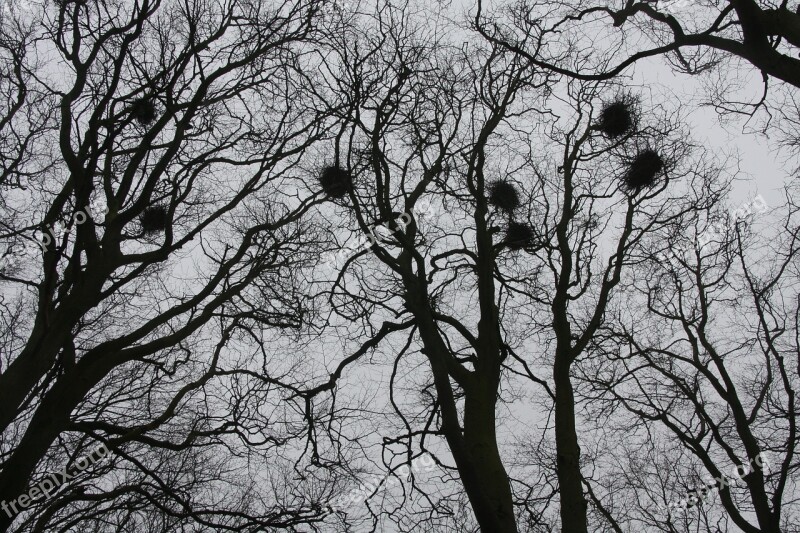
{"x":503,"y":308}
{"x":153,"y":208}
{"x":704,"y":357}
{"x":441,"y":125}
{"x":765,"y":34}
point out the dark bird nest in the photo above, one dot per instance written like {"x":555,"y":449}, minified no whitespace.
{"x":504,"y":195}
{"x":616,"y":118}
{"x":335,"y":181}
{"x":154,"y":219}
{"x":643,"y":170}
{"x":143,"y":110}
{"x":519,"y":235}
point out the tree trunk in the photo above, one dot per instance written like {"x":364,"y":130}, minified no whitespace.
{"x":491,"y":497}
{"x":475,"y":450}
{"x":50,"y":419}
{"x":573,"y":504}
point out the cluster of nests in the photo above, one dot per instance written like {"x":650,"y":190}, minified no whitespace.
{"x":617,"y":119}
{"x":155,"y":218}
{"x":504,"y":196}
{"x":337,"y":182}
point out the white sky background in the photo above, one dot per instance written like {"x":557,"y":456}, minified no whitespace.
{"x":764,"y":169}
{"x":763,"y":165}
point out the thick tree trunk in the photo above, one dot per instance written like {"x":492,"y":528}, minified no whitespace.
{"x":491,"y":497}
{"x":475,"y":448}
{"x":28,"y":368}
{"x":47,"y":338}
{"x":573,"y":504}
{"x":50,"y":419}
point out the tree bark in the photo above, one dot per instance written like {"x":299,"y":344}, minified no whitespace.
{"x":47,"y":423}
{"x":573,"y":504}
{"x":491,"y":498}
{"x":474,"y":450}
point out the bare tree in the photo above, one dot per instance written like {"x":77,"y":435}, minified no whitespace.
{"x":729,"y":45}
{"x":765,"y":34}
{"x":504,"y":216}
{"x":153,"y":207}
{"x":709,"y":360}
{"x":448,"y":126}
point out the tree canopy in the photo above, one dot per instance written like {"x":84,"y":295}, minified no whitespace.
{"x":325,"y":266}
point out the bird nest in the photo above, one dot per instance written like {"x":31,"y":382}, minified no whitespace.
{"x":519,"y":235}
{"x":617,"y":118}
{"x":154,"y":219}
{"x":335,"y":181}
{"x":504,"y":195}
{"x":143,"y":111}
{"x":643,"y":170}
